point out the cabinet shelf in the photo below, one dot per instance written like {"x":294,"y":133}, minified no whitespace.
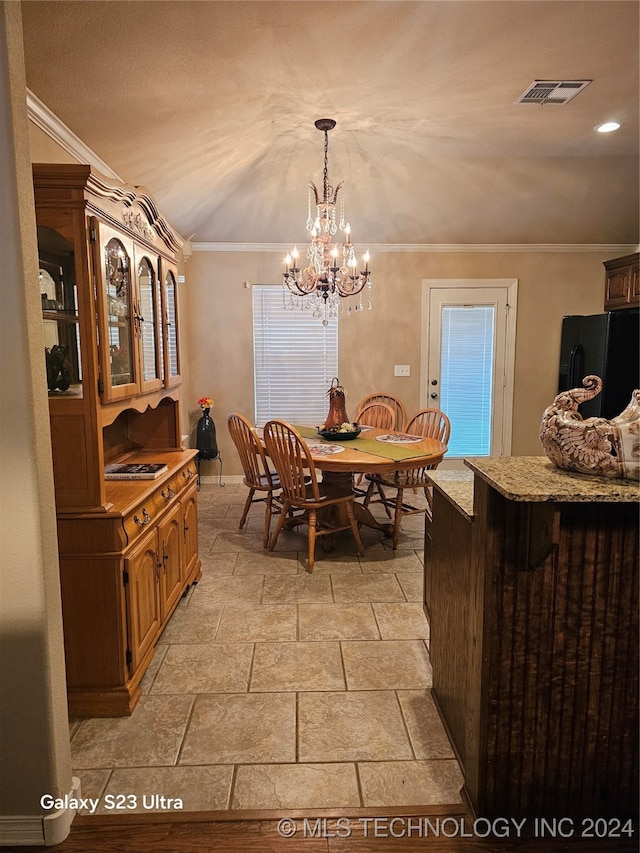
{"x":60,"y":316}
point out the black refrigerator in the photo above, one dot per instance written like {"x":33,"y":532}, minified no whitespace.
{"x":607,"y":345}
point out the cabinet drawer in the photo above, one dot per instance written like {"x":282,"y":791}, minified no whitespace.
{"x":187,"y":475}
{"x":143,"y":518}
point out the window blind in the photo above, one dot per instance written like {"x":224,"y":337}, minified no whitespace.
{"x":466,"y":377}
{"x":172,"y":331}
{"x":295,"y":358}
{"x":148,"y":329}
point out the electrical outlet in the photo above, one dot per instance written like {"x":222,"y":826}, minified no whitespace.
{"x":402,"y":370}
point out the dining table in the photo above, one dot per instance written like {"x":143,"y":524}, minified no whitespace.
{"x":374,"y":451}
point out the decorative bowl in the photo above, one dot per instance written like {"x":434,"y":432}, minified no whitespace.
{"x":336,"y":435}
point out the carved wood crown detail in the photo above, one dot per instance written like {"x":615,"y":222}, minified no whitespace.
{"x":135,"y":222}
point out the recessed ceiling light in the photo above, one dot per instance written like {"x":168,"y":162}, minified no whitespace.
{"x":607,"y":127}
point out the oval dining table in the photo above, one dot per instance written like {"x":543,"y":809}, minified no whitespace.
{"x":368,"y":454}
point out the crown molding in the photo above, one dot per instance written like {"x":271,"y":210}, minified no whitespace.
{"x":429,"y":248}
{"x":40,"y":114}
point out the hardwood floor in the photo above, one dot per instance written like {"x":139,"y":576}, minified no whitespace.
{"x":320,"y":833}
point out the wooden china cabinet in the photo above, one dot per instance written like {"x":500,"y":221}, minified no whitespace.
{"x":128,"y":548}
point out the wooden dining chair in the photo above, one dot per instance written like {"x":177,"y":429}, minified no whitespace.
{"x":389,"y":400}
{"x":301,"y":489}
{"x":258,"y":476}
{"x":379,"y":415}
{"x":429,"y":423}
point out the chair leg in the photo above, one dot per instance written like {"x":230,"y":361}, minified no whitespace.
{"x":369,"y":493}
{"x":281,"y":518}
{"x":312,"y":540}
{"x":247,"y":504}
{"x":354,"y":528}
{"x":398,"y":518}
{"x":384,"y":500}
{"x":267,"y":520}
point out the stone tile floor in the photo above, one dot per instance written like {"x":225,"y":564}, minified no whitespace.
{"x":275,"y":689}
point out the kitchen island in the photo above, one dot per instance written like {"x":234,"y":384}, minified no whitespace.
{"x":531,"y":585}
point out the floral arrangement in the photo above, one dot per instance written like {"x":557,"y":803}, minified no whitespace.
{"x":206,"y":403}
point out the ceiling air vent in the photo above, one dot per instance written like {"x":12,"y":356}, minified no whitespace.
{"x":551,"y":91}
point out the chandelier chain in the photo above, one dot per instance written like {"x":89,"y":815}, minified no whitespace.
{"x":326,"y":166}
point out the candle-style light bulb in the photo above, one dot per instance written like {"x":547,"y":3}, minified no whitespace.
{"x":287,"y":263}
{"x":347,"y":231}
{"x":366,"y":261}
{"x":294,"y":255}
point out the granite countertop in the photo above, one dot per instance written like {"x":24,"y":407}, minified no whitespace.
{"x":457,"y":487}
{"x":535,"y":478}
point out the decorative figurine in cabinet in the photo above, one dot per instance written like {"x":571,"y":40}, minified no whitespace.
{"x":128,"y":548}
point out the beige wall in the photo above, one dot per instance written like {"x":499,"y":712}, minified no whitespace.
{"x":217,"y":336}
{"x":34,"y":727}
{"x":216,"y":325}
{"x":44,"y":149}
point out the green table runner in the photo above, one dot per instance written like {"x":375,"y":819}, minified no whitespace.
{"x":397,"y":452}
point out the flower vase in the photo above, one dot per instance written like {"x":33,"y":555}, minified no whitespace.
{"x":206,"y":437}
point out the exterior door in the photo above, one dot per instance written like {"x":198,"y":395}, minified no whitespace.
{"x":468,"y":346}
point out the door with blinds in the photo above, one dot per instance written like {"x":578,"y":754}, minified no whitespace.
{"x":468,"y":354}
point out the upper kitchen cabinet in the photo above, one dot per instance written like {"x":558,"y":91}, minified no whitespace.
{"x":109,"y":288}
{"x":622,"y":283}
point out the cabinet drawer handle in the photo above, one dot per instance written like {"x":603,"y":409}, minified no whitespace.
{"x":168,"y":494}
{"x":146,"y":518}
{"x":188,"y":474}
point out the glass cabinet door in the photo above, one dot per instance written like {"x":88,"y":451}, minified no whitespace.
{"x":59,"y":297}
{"x":171,"y":333}
{"x":116,"y":299}
{"x":147,"y":322}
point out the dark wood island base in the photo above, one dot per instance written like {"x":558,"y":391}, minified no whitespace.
{"x":533,"y":602}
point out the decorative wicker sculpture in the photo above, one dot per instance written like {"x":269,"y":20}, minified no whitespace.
{"x":608,"y":448}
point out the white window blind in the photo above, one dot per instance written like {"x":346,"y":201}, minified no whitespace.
{"x":148,"y":329}
{"x":466,"y":377}
{"x":172,"y":330}
{"x":295,"y":358}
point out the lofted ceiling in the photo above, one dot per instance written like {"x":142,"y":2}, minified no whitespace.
{"x":211,"y":105}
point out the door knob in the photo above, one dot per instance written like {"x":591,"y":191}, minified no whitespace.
{"x":434,"y":396}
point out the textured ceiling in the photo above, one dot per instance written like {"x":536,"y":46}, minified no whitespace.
{"x":211,"y":105}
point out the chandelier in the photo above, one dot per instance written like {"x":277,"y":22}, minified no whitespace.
{"x":332,"y":271}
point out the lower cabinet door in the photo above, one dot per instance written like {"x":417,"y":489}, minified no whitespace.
{"x":170,"y":558}
{"x":143,"y":604}
{"x":190,"y":528}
